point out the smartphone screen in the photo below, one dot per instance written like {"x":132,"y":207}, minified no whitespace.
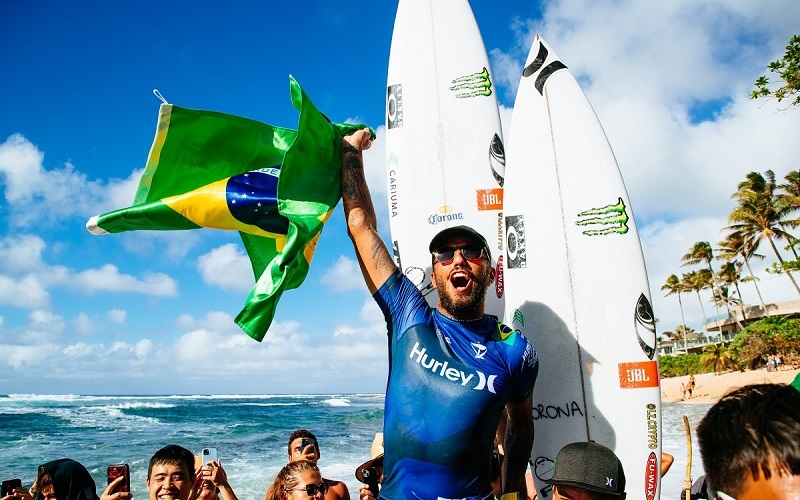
{"x":209,"y":455}
{"x":115,"y":471}
{"x":9,"y":485}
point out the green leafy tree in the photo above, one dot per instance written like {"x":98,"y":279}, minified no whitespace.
{"x":682,"y":364}
{"x":773,"y":335}
{"x":717,"y":357}
{"x":788,"y":69}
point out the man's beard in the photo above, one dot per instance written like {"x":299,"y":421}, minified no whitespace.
{"x":465,"y":307}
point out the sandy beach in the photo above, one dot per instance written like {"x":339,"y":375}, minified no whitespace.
{"x":709,"y":387}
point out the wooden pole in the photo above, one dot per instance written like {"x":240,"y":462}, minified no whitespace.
{"x":688,"y":481}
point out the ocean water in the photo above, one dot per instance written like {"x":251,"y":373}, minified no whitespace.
{"x":249,"y":432}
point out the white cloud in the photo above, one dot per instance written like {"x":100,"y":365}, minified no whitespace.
{"x":117,"y":316}
{"x":227,"y":267}
{"x":36,"y":195}
{"x":26,"y":292}
{"x":84,"y":325}
{"x":21,"y":254}
{"x":108,"y":278}
{"x":344,"y":275}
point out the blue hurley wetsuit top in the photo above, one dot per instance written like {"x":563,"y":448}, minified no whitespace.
{"x":449,"y":381}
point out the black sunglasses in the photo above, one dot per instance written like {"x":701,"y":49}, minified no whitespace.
{"x":312,"y":489}
{"x":473,"y":253}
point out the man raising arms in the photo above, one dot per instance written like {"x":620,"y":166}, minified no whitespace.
{"x":452,"y":369}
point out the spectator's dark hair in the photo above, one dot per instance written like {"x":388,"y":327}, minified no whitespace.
{"x":173,"y":454}
{"x":752,"y":430}
{"x":301,"y":433}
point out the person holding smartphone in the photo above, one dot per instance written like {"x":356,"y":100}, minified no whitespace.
{"x":211,"y":480}
{"x":303,"y":445}
{"x":13,"y":490}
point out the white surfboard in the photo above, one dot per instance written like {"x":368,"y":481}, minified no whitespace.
{"x":444,"y":150}
{"x":576,"y":283}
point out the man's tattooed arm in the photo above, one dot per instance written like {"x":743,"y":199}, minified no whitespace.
{"x":362,"y":223}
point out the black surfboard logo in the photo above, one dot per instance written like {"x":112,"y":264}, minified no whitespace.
{"x":497,"y":159}
{"x":643,"y":319}
{"x":394,"y":106}
{"x":545,"y":72}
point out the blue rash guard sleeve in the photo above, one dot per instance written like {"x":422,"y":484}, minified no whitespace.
{"x":449,"y":381}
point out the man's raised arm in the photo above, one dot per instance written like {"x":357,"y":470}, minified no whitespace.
{"x":362,"y":224}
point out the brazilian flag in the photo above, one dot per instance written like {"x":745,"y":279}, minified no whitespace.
{"x":274,"y":185}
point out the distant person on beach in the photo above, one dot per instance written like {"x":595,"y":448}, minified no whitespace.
{"x":587,"y":471}
{"x":683,"y":390}
{"x":169,"y":474}
{"x":303,"y":445}
{"x":769,"y":362}
{"x":299,"y":480}
{"x":750,"y":444}
{"x":690,"y":385}
{"x":374,"y":465}
{"x":452,"y":369}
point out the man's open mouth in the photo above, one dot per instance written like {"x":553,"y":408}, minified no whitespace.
{"x":460,"y":280}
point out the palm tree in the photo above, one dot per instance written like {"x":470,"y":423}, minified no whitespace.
{"x":702,"y":252}
{"x":675,"y":286}
{"x":718,"y":356}
{"x":681,"y":332}
{"x":734,"y":245}
{"x":730,"y":274}
{"x":758,"y":217}
{"x":722,"y":296}
{"x":788,"y":199}
{"x":696,"y":281}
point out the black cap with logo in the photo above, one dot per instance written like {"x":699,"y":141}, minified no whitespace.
{"x":589,"y":466}
{"x":453,"y":232}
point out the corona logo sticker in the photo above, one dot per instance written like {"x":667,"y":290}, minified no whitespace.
{"x":476,"y":84}
{"x":490,"y":199}
{"x":612,"y":219}
{"x":638,"y":375}
{"x":446,"y":214}
{"x":394,"y":106}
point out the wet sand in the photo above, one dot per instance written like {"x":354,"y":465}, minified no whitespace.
{"x":709,"y":387}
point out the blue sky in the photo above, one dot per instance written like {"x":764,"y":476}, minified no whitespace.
{"x":152,"y":312}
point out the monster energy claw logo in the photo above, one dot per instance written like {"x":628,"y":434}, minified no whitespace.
{"x":613,"y":217}
{"x":473,"y":85}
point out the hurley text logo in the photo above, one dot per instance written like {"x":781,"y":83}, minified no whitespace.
{"x":420,"y":356}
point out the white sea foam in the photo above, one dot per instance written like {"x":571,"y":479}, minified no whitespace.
{"x":336,"y":402}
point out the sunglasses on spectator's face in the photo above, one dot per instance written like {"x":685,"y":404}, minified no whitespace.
{"x":312,"y":489}
{"x":473,"y":253}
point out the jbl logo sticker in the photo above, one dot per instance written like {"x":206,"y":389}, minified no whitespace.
{"x":637,"y":375}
